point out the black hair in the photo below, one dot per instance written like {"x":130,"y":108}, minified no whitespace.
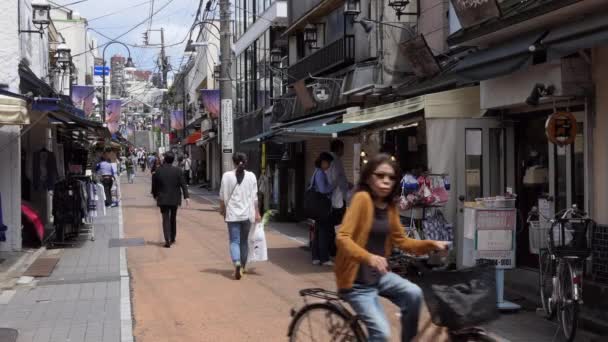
{"x":240,"y":161}
{"x":336,"y":145}
{"x":324,"y":156}
{"x":369,"y":169}
{"x":169,"y":158}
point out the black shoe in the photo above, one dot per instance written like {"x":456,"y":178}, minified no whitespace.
{"x":172,"y":241}
{"x":238,"y":272}
{"x":167,"y":245}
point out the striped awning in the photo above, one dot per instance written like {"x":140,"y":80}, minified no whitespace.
{"x":13,"y":111}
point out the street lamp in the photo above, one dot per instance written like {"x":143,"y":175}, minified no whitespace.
{"x":399,"y":7}
{"x":276,"y":56}
{"x":129,"y":66}
{"x":63,"y":54}
{"x":41,"y":16}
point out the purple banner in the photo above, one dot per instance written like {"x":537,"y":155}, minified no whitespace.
{"x":113,"y":108}
{"x":113,"y":127}
{"x":82,"y":97}
{"x":211,"y":101}
{"x":177,"y":119}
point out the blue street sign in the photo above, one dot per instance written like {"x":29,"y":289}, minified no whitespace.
{"x":99,"y":70}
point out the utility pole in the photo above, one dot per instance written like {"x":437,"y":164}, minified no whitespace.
{"x":163,"y":58}
{"x":227,"y":141}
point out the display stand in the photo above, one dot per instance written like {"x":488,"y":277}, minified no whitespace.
{"x":489,"y":236}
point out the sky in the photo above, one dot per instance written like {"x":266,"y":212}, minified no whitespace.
{"x":119,"y":16}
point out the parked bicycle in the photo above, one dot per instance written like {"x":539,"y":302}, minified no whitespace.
{"x":561,"y":260}
{"x":331,"y":319}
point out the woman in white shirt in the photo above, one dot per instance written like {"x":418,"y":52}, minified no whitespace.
{"x":239,"y":206}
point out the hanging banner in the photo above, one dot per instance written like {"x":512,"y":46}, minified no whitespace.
{"x":82,"y":97}
{"x":211,"y":101}
{"x":113,"y":110}
{"x":177,"y":119}
{"x":113,"y":127}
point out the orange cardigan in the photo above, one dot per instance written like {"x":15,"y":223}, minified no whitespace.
{"x":354,"y":233}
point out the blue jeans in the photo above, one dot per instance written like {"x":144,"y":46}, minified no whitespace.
{"x":366,"y":303}
{"x":239,"y":236}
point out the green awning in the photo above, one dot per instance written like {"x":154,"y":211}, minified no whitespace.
{"x":259,"y":137}
{"x":332,"y":130}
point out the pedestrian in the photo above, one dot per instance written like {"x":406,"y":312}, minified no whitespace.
{"x":239,"y":206}
{"x":323,"y":225}
{"x":130,"y":166}
{"x":186,"y":167}
{"x":339,"y":183}
{"x":151,"y":160}
{"x":105,"y":171}
{"x":168,"y":186}
{"x":154,"y":164}
{"x":370,"y":226}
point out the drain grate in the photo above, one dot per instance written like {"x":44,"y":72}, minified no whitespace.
{"x":129,"y":242}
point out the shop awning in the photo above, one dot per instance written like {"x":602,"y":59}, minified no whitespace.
{"x":13,"y":111}
{"x":333,"y":130}
{"x":571,"y":38}
{"x":205,"y":139}
{"x":260,"y":137}
{"x":71,"y":116}
{"x":499,"y":60}
{"x":193,"y":138}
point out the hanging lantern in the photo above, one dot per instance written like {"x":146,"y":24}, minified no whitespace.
{"x":352,"y":7}
{"x":399,"y":6}
{"x":216,"y":71}
{"x":276,"y":56}
{"x":63,"y":54}
{"x":310,"y":34}
{"x":130,"y":66}
{"x":41,"y":11}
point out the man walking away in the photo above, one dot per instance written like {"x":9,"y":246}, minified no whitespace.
{"x":106,"y":173}
{"x":130,"y":166}
{"x":168,"y":186}
{"x":187,"y":167}
{"x":339,"y":183}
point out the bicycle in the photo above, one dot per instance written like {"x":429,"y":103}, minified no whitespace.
{"x":333,"y":320}
{"x":561,"y":266}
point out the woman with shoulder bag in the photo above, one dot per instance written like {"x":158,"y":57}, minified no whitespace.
{"x":239,"y":206}
{"x":321,"y":210}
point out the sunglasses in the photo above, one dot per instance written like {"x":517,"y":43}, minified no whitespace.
{"x":382,"y":176}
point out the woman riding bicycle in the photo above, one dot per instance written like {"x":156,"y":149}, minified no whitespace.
{"x":369,"y":230}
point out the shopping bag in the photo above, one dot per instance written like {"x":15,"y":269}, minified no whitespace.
{"x":257,"y":244}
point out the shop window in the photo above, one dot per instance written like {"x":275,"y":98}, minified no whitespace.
{"x":473,"y":164}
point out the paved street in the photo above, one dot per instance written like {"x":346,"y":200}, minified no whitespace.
{"x":80,"y":301}
{"x":187,"y":293}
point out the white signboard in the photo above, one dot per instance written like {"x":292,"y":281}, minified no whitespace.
{"x":494,"y":235}
{"x":494,"y":240}
{"x":227,"y":131}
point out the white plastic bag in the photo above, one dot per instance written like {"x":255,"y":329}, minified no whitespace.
{"x":257,"y":244}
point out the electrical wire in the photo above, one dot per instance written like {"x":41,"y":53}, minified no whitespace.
{"x":129,"y":31}
{"x":122,"y":10}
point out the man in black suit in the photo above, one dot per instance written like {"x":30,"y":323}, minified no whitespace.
{"x":168,"y":184}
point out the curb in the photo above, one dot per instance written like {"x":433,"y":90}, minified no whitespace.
{"x":126,"y":318}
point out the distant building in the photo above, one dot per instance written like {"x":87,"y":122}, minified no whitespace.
{"x":117,"y":72}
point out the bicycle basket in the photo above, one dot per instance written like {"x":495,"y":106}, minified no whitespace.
{"x":539,"y":235}
{"x":572,"y":239}
{"x":461,"y":298}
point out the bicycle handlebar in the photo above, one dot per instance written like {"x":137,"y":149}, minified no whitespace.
{"x":572,"y":213}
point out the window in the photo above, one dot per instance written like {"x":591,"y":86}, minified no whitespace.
{"x":473,"y":164}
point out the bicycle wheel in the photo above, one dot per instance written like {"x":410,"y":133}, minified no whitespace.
{"x":568,"y":302}
{"x":547,"y":271}
{"x":324,"y":322}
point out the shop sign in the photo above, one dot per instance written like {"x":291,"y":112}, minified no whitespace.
{"x":321,"y":92}
{"x":472,"y":12}
{"x":561,"y":128}
{"x":420,"y":57}
{"x":494,"y":237}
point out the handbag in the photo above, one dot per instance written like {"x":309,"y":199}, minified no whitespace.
{"x":316,"y":205}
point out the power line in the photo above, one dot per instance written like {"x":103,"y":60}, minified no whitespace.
{"x":129,"y":31}
{"x":109,"y":14}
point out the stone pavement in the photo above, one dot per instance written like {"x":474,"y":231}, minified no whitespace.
{"x":81,"y":300}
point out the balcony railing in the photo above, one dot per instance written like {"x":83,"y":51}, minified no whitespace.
{"x":339,"y":53}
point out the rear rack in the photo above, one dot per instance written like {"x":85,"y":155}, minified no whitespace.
{"x":319,"y":293}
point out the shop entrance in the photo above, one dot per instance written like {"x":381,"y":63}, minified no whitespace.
{"x":481,"y":168}
{"x":548,"y":176}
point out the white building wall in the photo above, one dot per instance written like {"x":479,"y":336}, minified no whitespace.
{"x":73,"y":31}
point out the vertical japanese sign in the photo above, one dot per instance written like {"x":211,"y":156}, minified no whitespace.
{"x":227,"y":131}
{"x":82,"y":97}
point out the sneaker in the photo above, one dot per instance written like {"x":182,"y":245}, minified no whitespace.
{"x":316,"y":262}
{"x":238,"y":271}
{"x":328,"y":263}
